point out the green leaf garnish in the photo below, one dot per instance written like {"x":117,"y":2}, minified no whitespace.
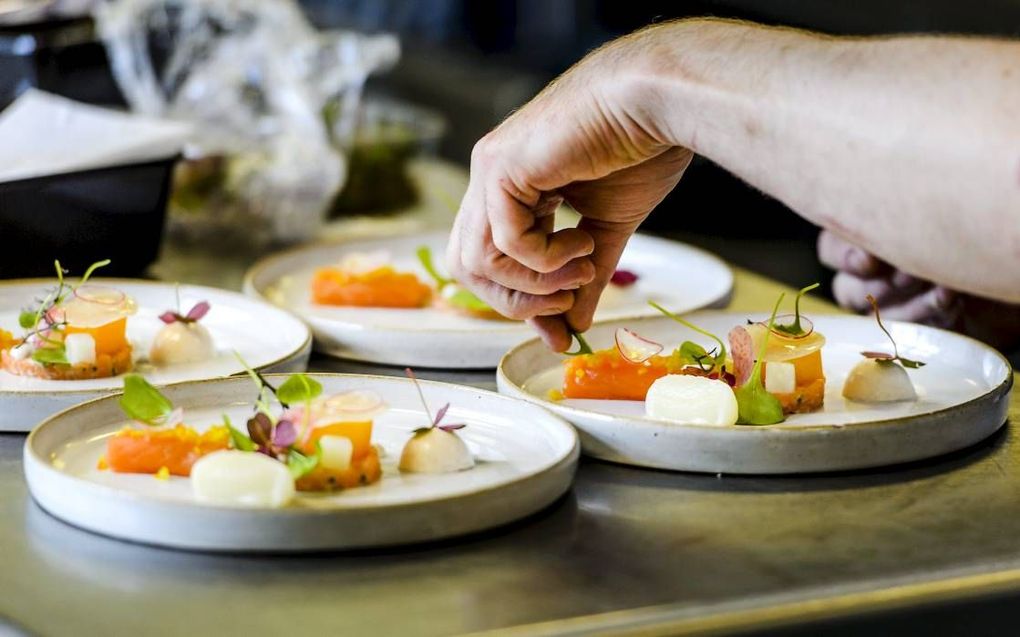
{"x":466,"y":299}
{"x":88,"y":273}
{"x":27,"y":319}
{"x":143,"y":402}
{"x":882,"y":357}
{"x":794,"y":329}
{"x":299,"y":464}
{"x":238,"y":438}
{"x":298,"y":388}
{"x":718,"y":360}
{"x":755,"y":406}
{"x":51,"y":355}
{"x":582,"y":345}
{"x":425,"y":257}
{"x":461,"y":296}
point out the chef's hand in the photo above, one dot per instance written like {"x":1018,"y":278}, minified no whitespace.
{"x":586,"y":139}
{"x":907,"y":298}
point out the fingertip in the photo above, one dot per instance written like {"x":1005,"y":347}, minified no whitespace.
{"x":553,"y":331}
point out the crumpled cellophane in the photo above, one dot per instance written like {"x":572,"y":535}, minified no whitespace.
{"x":271,"y":98}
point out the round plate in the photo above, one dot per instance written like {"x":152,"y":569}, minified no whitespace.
{"x":525,"y":456}
{"x":963,"y":397}
{"x":678,"y":276}
{"x":266,"y":337}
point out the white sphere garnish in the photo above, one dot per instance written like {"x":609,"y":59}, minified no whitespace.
{"x":435,"y":451}
{"x":337,"y":452}
{"x":181,"y":342}
{"x":694,"y":400}
{"x":241,"y":479}
{"x":873,"y":381}
{"x":80,"y":349}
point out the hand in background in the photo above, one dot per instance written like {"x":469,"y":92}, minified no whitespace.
{"x":907,"y":298}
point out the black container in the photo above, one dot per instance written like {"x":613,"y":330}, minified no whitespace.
{"x":59,"y":56}
{"x":82,"y":217}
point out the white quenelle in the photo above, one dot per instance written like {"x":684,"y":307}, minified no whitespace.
{"x":875,"y":381}
{"x":241,"y":479}
{"x":435,"y":451}
{"x":182,"y":342}
{"x":694,"y":400}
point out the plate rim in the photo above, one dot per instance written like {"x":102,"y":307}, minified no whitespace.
{"x":306,"y":343}
{"x":1002,"y":388}
{"x":497,"y":326}
{"x":31,"y":455}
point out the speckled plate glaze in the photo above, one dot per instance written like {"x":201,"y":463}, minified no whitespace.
{"x":963,"y":397}
{"x":526,"y":458}
{"x":267,"y":337}
{"x":679,"y":276}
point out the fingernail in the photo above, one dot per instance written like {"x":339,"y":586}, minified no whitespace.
{"x":945,"y":298}
{"x":859,"y":260}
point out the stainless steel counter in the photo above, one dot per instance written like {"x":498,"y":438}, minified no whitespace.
{"x":627,"y":551}
{"x":627,"y":548}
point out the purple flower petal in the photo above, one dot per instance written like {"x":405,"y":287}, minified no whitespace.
{"x":200,"y":310}
{"x":439,"y":414}
{"x":882,"y":356}
{"x":452,"y":427}
{"x":623,"y":278}
{"x":285,"y":434}
{"x":168,"y":317}
{"x":260,"y":429}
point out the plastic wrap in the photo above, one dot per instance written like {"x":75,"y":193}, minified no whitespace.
{"x":258,"y":82}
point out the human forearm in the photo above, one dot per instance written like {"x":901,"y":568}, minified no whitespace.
{"x":910,"y":146}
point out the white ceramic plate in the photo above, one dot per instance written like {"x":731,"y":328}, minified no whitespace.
{"x":676,"y":275}
{"x":963,"y":398}
{"x":525,"y":456}
{"x":266,"y":337}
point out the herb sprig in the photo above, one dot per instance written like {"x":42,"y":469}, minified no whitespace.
{"x":583,"y":348}
{"x":755,"y":405}
{"x":795,"y":328}
{"x":434,"y":420}
{"x":461,"y":297}
{"x":883,"y":357}
{"x":689,"y":352}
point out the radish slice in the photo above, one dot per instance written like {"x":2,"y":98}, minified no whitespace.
{"x":742,"y":351}
{"x":100,"y":294}
{"x":788,"y":319}
{"x":634,"y":348}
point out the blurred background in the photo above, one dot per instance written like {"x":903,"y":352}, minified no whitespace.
{"x":465,"y":65}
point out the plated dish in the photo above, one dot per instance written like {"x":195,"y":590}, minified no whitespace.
{"x":728,"y":393}
{"x":66,"y":340}
{"x":389,"y":300}
{"x":352,"y":461}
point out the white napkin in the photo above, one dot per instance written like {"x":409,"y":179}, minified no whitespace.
{"x":44,"y":134}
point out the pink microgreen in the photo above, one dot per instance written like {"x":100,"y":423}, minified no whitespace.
{"x":198,"y":311}
{"x":168,"y":317}
{"x":260,"y":429}
{"x":439,"y":414}
{"x":895,"y":356}
{"x":452,"y":427}
{"x":285,"y":434}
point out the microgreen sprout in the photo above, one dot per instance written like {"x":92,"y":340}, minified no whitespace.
{"x":435,"y":421}
{"x":143,"y":402}
{"x":882,"y":357}
{"x":691,"y":352}
{"x":583,"y":347}
{"x":195,"y":314}
{"x":460,"y":297}
{"x":795,"y":328}
{"x":755,"y":405}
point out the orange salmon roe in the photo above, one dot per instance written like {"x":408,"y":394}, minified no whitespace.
{"x":382,"y":287}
